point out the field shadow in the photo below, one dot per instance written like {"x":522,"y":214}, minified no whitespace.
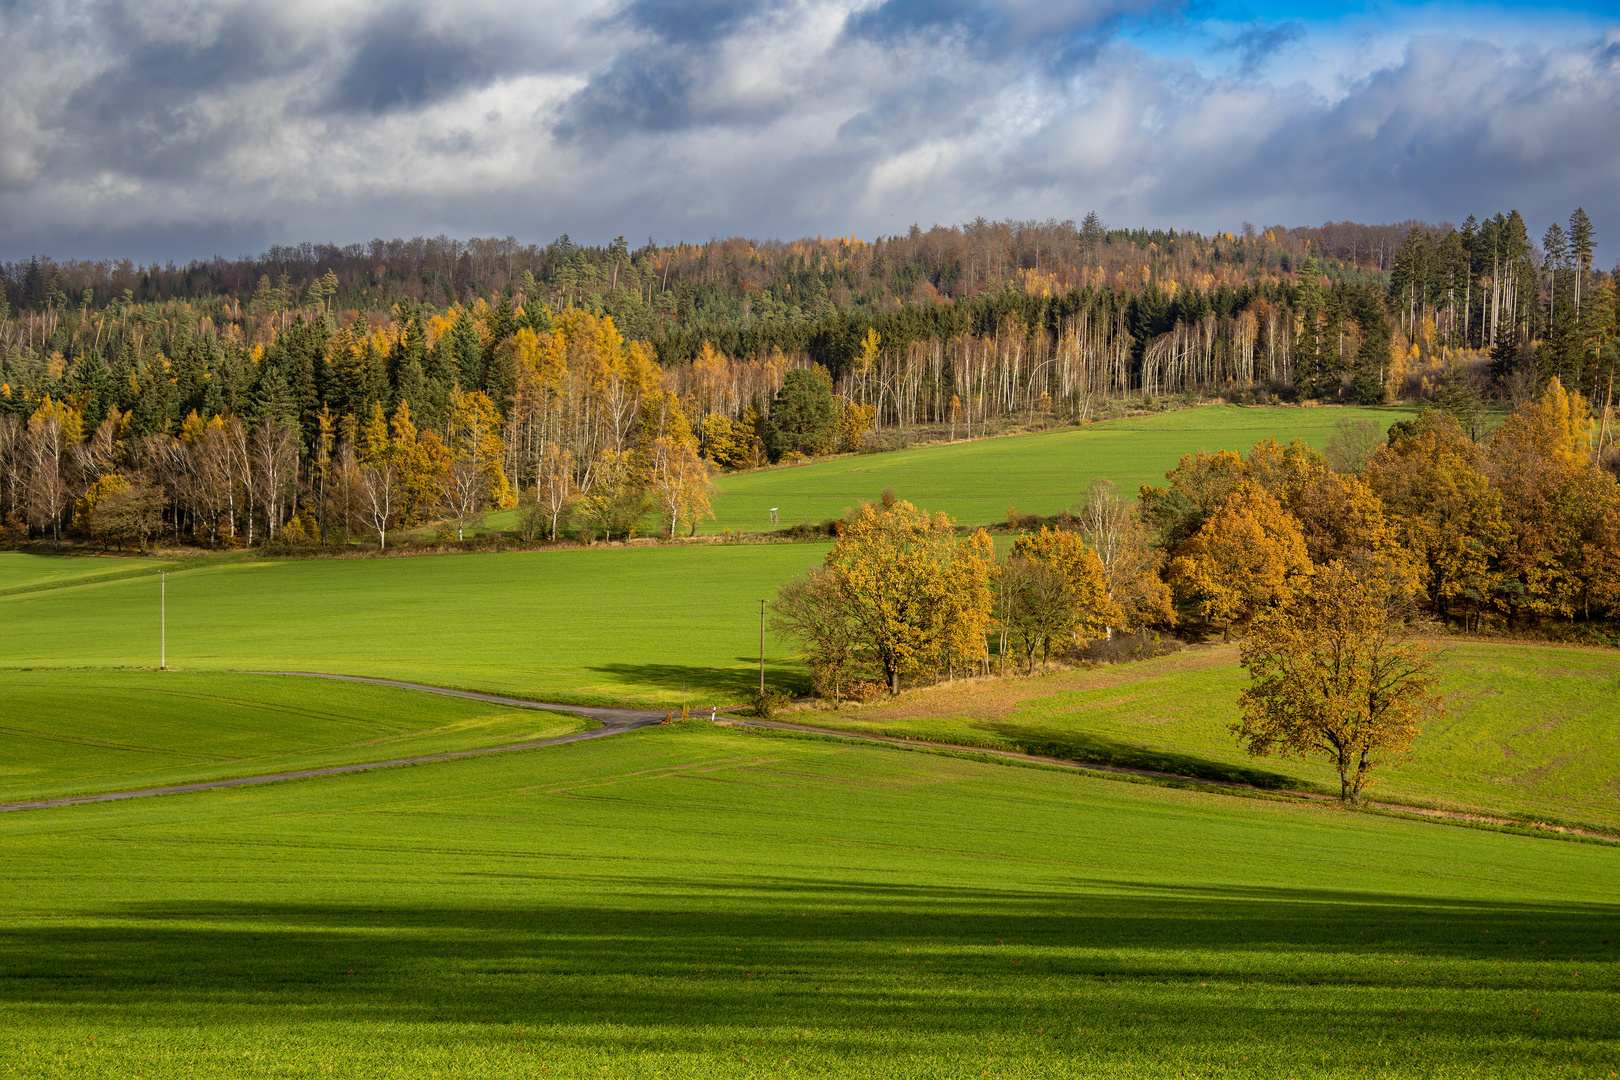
{"x":670,"y":962}
{"x":1085,"y":747}
{"x":732,"y":684}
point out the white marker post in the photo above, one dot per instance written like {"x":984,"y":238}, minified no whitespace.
{"x":163,"y":620}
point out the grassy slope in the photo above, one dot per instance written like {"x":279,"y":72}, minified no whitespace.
{"x":1041,"y":474}
{"x":693,"y":902}
{"x":73,"y":732}
{"x":659,"y":625}
{"x":1530,"y":729}
{"x":21,"y":572}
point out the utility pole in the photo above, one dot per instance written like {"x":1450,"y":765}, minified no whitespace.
{"x":762,"y":650}
{"x":163,"y":620}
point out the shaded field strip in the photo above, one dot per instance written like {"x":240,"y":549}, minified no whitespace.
{"x":613,"y":721}
{"x":1151,"y":774}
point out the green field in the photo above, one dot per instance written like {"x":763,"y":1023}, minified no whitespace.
{"x":1530,"y":730}
{"x":23,"y":572}
{"x":75,"y":732}
{"x":692,"y":902}
{"x":974,"y":482}
{"x":618,"y":625}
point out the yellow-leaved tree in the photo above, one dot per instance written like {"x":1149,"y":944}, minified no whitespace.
{"x":1245,"y":557}
{"x":1442,"y":510}
{"x":918,"y":600}
{"x":1054,"y":592}
{"x":1334,"y":672}
{"x":674,"y":473}
{"x":1541,"y":462}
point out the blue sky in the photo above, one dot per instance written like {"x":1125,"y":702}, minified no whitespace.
{"x":177,"y":129}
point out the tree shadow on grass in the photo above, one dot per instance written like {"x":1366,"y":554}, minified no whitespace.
{"x":850,"y":978}
{"x":1085,"y":747}
{"x":730,"y":684}
{"x":841,"y":956}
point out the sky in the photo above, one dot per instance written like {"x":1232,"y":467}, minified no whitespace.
{"x":179,"y":129}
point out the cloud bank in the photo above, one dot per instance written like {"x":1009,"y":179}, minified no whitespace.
{"x":184,"y":128}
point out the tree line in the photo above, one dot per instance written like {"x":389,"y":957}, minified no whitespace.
{"x":1524,"y":527}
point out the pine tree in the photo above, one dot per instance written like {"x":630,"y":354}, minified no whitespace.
{"x":467,"y":352}
{"x":1582,"y":243}
{"x":1308,"y":358}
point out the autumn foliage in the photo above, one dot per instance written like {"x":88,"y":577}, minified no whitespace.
{"x":1335,"y":673}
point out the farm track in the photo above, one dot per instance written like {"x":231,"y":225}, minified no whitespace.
{"x":1473,"y":817}
{"x":613,"y":721}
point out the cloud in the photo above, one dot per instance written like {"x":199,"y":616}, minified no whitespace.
{"x":1256,"y":44}
{"x":161,"y":129}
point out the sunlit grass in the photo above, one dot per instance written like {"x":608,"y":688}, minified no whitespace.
{"x":694,"y":902}
{"x":1531,"y":730}
{"x":663,"y":625}
{"x":74,"y":732}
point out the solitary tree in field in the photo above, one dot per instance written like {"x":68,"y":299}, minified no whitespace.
{"x":1334,"y":673}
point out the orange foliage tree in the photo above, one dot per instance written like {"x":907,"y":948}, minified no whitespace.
{"x":1334,"y":672}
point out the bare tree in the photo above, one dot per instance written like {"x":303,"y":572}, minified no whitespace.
{"x":238,"y":462}
{"x":274,"y":463}
{"x":132,"y":512}
{"x":167,"y":461}
{"x":345,"y":494}
{"x":1352,"y":444}
{"x":554,"y":486}
{"x":381,"y":489}
{"x":48,"y":493}
{"x":13,"y":468}
{"x":680,"y":482}
{"x":210,"y":482}
{"x":1111,"y":527}
{"x":1035,"y":608}
{"x":463,"y":492}
{"x":812,"y":611}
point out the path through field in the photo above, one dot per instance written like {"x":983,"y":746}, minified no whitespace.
{"x":613,"y":722}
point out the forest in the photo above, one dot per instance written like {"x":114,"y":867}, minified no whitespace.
{"x":317,"y":392}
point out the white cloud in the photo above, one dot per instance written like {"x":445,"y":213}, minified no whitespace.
{"x":204,"y":125}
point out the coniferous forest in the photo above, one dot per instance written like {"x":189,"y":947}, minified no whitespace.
{"x":380,"y":385}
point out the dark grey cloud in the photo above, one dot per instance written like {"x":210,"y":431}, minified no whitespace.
{"x":172,"y":128}
{"x":406,"y":65}
{"x":667,"y":81}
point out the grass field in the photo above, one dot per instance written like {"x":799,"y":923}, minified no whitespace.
{"x":650,"y":625}
{"x":76,"y":732}
{"x":974,"y":482}
{"x":1532,"y":730}
{"x":691,"y":902}
{"x":23,"y":572}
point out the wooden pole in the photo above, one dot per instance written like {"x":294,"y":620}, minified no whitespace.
{"x":762,"y":650}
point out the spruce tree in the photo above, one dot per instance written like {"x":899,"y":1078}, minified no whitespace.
{"x":1308,"y":348}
